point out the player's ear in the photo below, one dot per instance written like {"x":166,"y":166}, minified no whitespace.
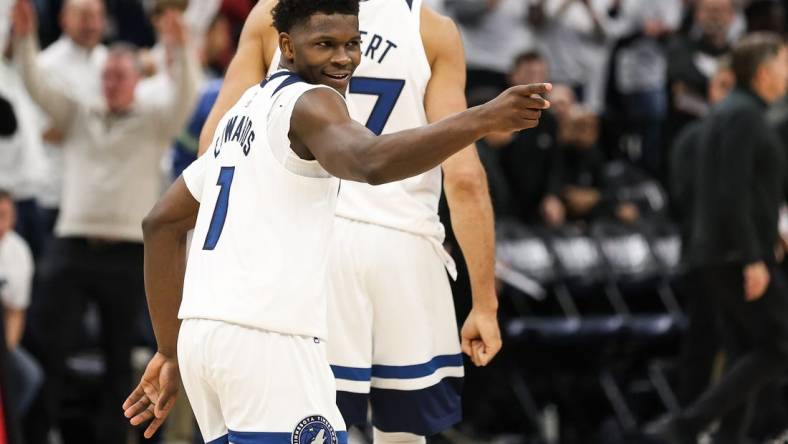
{"x":286,"y":46}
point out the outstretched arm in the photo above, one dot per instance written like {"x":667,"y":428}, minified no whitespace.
{"x":250,"y":63}
{"x":164,"y":231}
{"x":58,"y":105}
{"x":321,"y":128}
{"x":465,"y":182}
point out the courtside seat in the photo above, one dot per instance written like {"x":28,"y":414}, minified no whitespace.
{"x":549,"y":331}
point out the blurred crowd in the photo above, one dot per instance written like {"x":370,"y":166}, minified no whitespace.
{"x":102,"y":103}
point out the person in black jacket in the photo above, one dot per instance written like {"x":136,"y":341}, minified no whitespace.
{"x":738,"y":190}
{"x":701,"y":343}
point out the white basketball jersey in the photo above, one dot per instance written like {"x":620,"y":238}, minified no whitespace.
{"x":258,"y":253}
{"x":387,"y":94}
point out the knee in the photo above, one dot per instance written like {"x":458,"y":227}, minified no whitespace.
{"x":380,"y":437}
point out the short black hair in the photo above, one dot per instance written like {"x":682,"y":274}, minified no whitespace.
{"x":751,"y":52}
{"x":5,"y":195}
{"x":528,"y":56}
{"x":288,"y":13}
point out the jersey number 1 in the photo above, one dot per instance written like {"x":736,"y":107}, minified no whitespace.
{"x":220,"y":210}
{"x":387,"y":90}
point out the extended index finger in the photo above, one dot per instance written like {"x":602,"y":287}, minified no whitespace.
{"x":534,"y":88}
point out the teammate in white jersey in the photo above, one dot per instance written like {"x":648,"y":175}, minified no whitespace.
{"x":392,"y":314}
{"x":262,"y":201}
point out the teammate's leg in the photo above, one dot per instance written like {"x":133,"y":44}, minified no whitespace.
{"x":417,"y":363}
{"x":350,"y":321}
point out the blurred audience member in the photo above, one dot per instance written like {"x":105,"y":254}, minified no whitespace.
{"x":112,"y":150}
{"x":692,"y":60}
{"x":73,"y":63}
{"x":640,"y":69}
{"x":572,"y":36}
{"x":577,"y":174}
{"x":493,"y":32}
{"x":16,"y":276}
{"x":765,"y":15}
{"x":562,"y":100}
{"x":184,"y":151}
{"x":21,"y":155}
{"x":490,"y":153}
{"x":738,"y":190}
{"x":216,"y":46}
{"x":527,"y":157}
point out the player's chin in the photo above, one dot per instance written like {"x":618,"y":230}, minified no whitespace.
{"x":339,"y":82}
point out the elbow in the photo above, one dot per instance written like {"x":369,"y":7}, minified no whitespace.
{"x":375,"y":177}
{"x":374,"y":172}
{"x":466,"y":182}
{"x":150,"y":224}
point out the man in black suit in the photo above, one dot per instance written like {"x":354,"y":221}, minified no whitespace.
{"x":739,"y":188}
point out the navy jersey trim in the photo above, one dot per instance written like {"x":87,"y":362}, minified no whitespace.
{"x":416,"y":370}
{"x":265,"y":438}
{"x":352,"y":373}
{"x":274,"y":76}
{"x":293,"y":78}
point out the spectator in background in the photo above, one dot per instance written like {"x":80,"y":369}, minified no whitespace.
{"x":701,"y":344}
{"x":692,"y":60}
{"x":739,"y":187}
{"x":639,"y":69}
{"x":493,"y":32}
{"x":113,"y":148}
{"x":572,"y":35}
{"x":490,"y":150}
{"x":73,"y":63}
{"x":528,"y":156}
{"x":21,"y":154}
{"x":577,"y":177}
{"x":215,"y":45}
{"x":765,"y":15}
{"x":562,"y":100}
{"x":16,"y":275}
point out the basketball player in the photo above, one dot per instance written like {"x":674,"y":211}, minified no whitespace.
{"x":392,"y":325}
{"x":251,"y":343}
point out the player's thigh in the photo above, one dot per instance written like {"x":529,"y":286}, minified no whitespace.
{"x":192,"y":360}
{"x":274,"y":386}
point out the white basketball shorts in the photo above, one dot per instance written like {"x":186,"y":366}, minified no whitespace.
{"x":250,"y":386}
{"x":393,"y":341}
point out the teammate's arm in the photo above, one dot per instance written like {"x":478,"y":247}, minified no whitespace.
{"x":465,"y":183}
{"x":249,"y":65}
{"x":164,"y":232}
{"x":321,"y":128}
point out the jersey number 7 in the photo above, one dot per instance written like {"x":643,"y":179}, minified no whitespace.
{"x":387,"y":90}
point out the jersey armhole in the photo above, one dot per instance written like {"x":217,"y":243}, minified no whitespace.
{"x":278,"y":130}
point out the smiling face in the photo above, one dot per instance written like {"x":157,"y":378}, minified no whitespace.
{"x":324,"y":49}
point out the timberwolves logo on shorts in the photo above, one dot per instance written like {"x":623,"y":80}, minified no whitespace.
{"x":314,"y":430}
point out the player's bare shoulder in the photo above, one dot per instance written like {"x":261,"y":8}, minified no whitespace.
{"x":439,"y":34}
